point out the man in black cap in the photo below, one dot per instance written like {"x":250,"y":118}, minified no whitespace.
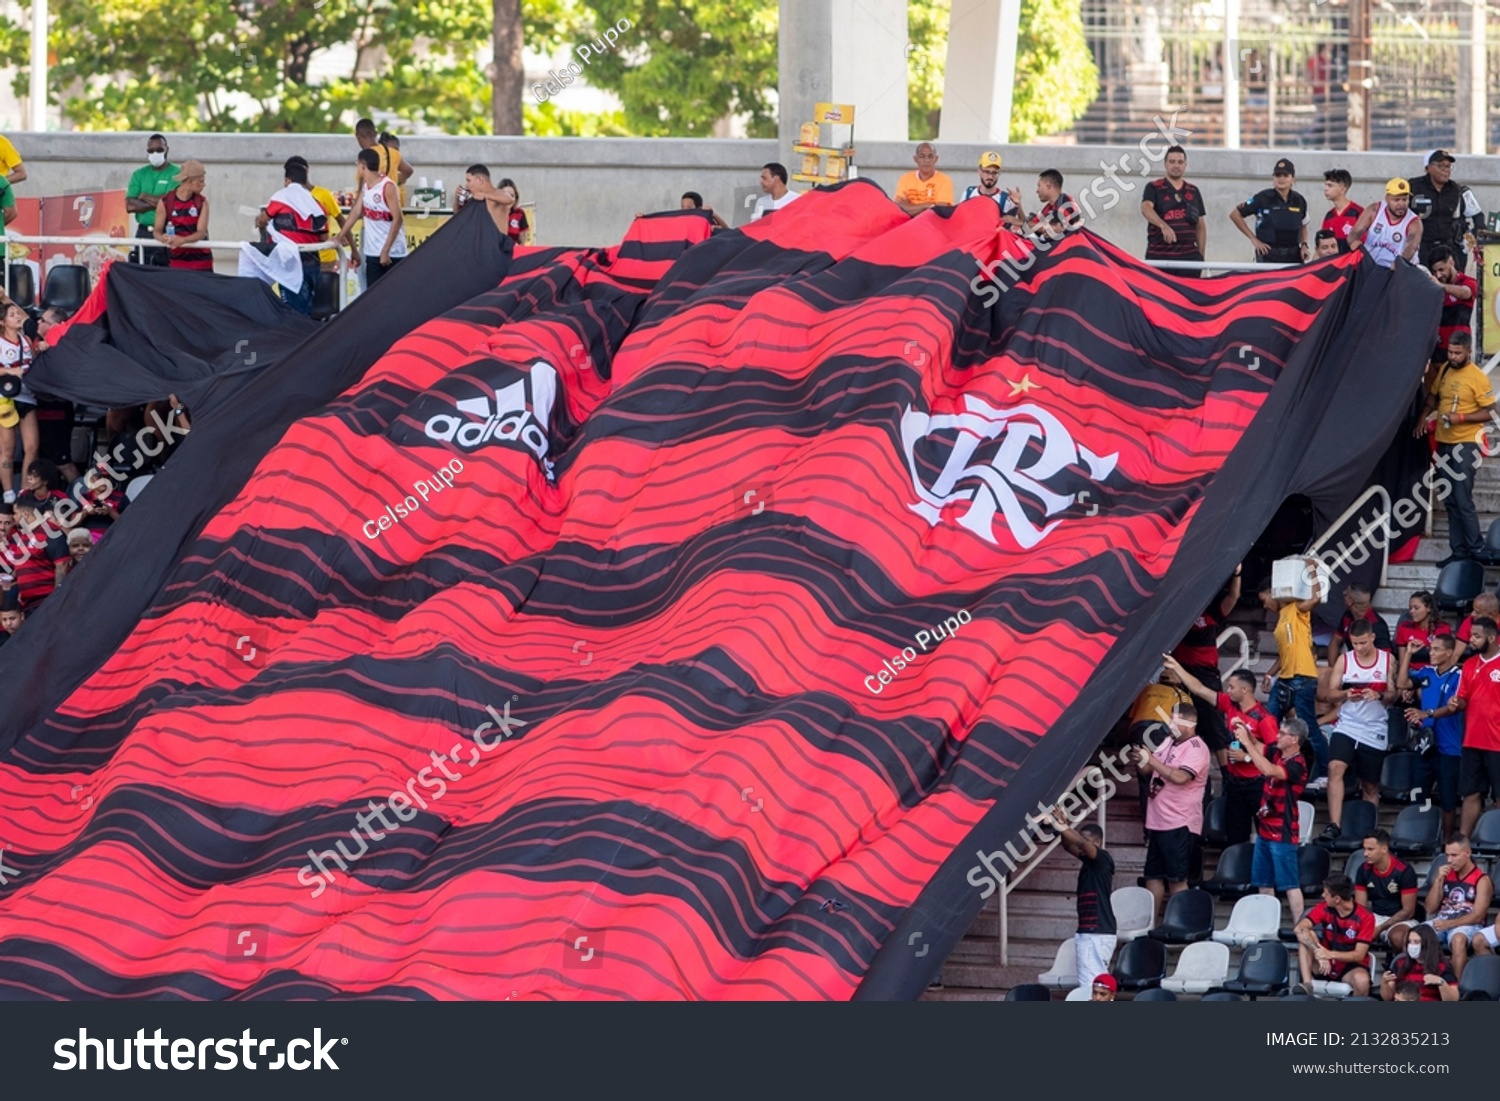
{"x":1280,"y":234}
{"x":1448,"y":210}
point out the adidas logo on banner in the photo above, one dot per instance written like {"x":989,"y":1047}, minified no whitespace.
{"x":484,"y":404}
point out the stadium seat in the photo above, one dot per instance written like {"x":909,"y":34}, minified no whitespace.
{"x":1358,"y":819}
{"x":1397,"y":730}
{"x":1189,"y":917}
{"x":1232,"y":876}
{"x":1222,"y":996}
{"x":1307,"y":816}
{"x":1141,"y":965}
{"x":66,"y":287}
{"x":1489,"y":555}
{"x":1080,"y":994}
{"x":1355,"y":862}
{"x":1481,"y":973}
{"x":1213,"y":821}
{"x":1263,"y":971}
{"x":1457,"y":585}
{"x":1435,"y":869}
{"x":1300,"y":998}
{"x":1255,"y":917}
{"x":22,"y":286}
{"x":1156,"y":994}
{"x":1417,"y":830}
{"x":1064,"y":972}
{"x":1324,"y":988}
{"x":325,"y":303}
{"x":135,"y":486}
{"x":1201,"y":968}
{"x":1312,"y":868}
{"x":1134,"y":911}
{"x":1399,"y":777}
{"x":1028,"y":992}
{"x":1486,"y":839}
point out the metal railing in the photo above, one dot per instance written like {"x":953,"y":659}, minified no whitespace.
{"x":130,"y":244}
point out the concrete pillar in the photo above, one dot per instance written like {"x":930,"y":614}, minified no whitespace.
{"x":1472,"y":77}
{"x":981,"y":71}
{"x":843,"y":51}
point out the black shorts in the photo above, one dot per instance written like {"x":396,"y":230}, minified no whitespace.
{"x":1169,"y":854}
{"x":24,"y":409}
{"x":1479,"y":772}
{"x":1367,"y":762}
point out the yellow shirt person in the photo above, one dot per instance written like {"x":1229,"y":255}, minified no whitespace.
{"x":925,"y":187}
{"x":1294,"y":642}
{"x":328,"y":257}
{"x":1464,"y":400}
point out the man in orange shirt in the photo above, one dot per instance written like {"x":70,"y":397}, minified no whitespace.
{"x":926,"y":187}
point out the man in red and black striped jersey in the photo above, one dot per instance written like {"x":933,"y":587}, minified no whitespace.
{"x":1274,"y":865}
{"x":37,"y":553}
{"x":1176,"y":226}
{"x":1334,"y":938}
{"x":1460,"y":293}
{"x":1386,"y":886}
{"x":1344,"y":213}
{"x":293,"y":215}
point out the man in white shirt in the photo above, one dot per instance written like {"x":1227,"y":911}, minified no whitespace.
{"x":773,"y":179}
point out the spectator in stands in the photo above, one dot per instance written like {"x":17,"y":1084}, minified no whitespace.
{"x":1334,"y":938}
{"x":504,"y":203}
{"x":1176,"y":226}
{"x":1458,"y":902}
{"x":1358,"y":605}
{"x":926,"y":187}
{"x":1104,"y":988}
{"x":328,"y":258}
{"x":1478,"y":697}
{"x":1280,"y":233}
{"x":1060,"y":212}
{"x":1420,"y":625}
{"x":1295,"y":669}
{"x":989,"y":187}
{"x":15,"y":361}
{"x":1344,"y":213}
{"x":12,"y":614}
{"x":1436,"y":684}
{"x":1094,"y":942}
{"x":1420,"y":967}
{"x":1198,"y":655}
{"x":1459,"y":403}
{"x":465,"y":191}
{"x":774,"y":192}
{"x":295,"y":216}
{"x":1448,"y":210}
{"x":384,"y":239}
{"x":1460,"y":293}
{"x":1364,"y":687}
{"x":1273,"y":866}
{"x":143,"y":193}
{"x":46,"y":558}
{"x":388,"y":161}
{"x":182,"y":220}
{"x":1485,"y":604}
{"x":1386,"y":886}
{"x":10,"y":162}
{"x":102,"y":502}
{"x":1175,"y":775}
{"x":1390,"y":228}
{"x":691,"y":200}
{"x":1236,"y":708}
{"x":1325,"y":244}
{"x":80,"y":542}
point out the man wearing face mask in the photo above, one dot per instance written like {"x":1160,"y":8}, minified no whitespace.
{"x":148,"y":184}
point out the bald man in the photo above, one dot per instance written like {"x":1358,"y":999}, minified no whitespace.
{"x":926,"y":187}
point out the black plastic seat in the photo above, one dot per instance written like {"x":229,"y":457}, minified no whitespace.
{"x":1486,"y":839}
{"x":66,"y":287}
{"x":1397,"y":731}
{"x":1418,"y":830}
{"x":1028,"y":992}
{"x":22,"y":285}
{"x":1355,"y":862}
{"x":1400,"y":776}
{"x":1188,"y":918}
{"x":1232,"y":876}
{"x":1155,"y":994}
{"x":1359,"y":819}
{"x":1312,"y":868}
{"x":1481,"y":973}
{"x":1457,"y":585}
{"x":1490,"y":555}
{"x":1300,"y":998}
{"x":1263,"y":970}
{"x":1142,"y":964}
{"x":325,"y":303}
{"x":1222,"y":996}
{"x":1213,"y":821}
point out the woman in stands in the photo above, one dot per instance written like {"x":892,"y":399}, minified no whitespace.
{"x":1421,"y":961}
{"x":508,"y":198}
{"x":1419,"y":625}
{"x":15,"y":360}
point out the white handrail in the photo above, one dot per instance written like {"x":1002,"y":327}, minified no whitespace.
{"x":1348,"y":513}
{"x":1200,"y":265}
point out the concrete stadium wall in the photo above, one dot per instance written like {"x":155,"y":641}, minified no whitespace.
{"x":587,"y":189}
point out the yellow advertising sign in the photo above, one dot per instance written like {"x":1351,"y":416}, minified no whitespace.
{"x":841,"y":114}
{"x":1489,"y":278}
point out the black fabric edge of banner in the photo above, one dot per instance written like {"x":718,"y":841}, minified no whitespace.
{"x":945,"y":909}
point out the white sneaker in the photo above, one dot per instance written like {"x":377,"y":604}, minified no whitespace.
{"x":1320,"y":784}
{"x":10,"y":496}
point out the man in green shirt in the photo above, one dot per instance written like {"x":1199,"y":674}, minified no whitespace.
{"x":148,"y":184}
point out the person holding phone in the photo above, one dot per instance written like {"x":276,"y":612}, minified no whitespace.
{"x":1365,"y":688}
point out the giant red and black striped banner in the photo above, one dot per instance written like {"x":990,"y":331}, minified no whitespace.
{"x":666,"y":621}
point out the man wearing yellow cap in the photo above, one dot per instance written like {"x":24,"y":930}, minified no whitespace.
{"x":989,"y":188}
{"x":1390,"y":228}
